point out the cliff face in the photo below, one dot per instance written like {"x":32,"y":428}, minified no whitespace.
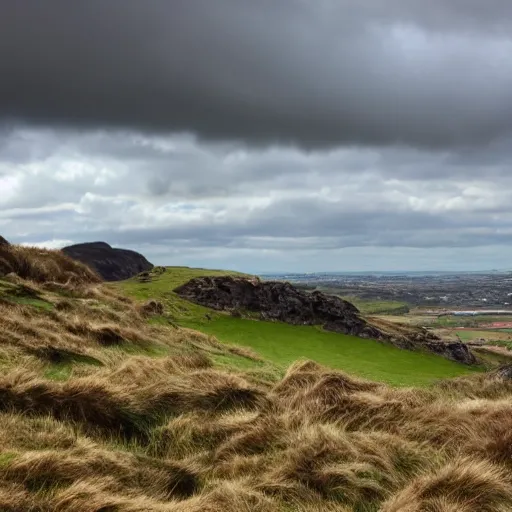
{"x":111,"y":264}
{"x":275,"y":300}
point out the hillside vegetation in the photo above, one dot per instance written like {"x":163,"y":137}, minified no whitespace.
{"x":282,"y":343}
{"x":105,"y":407}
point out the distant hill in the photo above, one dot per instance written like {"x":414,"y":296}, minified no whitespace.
{"x":110,"y":263}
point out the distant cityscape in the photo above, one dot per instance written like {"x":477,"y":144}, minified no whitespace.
{"x":470,"y":290}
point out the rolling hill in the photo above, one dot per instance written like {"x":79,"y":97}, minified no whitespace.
{"x":106,"y":404}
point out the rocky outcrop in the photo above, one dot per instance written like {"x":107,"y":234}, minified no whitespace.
{"x":276,"y":300}
{"x":456,"y":351}
{"x":505,"y":372}
{"x":3,"y":241}
{"x":110,"y":263}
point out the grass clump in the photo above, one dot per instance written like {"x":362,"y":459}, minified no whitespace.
{"x":43,"y":265}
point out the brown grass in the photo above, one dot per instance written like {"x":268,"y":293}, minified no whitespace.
{"x":44,"y":266}
{"x":101,"y":411}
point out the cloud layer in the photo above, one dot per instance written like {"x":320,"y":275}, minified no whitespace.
{"x":312,"y":73}
{"x":178,"y":198}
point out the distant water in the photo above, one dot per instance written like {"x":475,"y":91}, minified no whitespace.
{"x":384,"y":273}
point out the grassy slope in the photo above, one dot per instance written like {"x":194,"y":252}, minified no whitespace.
{"x":102,"y":410}
{"x":161,"y":287}
{"x":379,"y":307}
{"x":282,"y":343}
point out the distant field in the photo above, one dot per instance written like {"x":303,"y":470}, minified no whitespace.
{"x":378,"y":307}
{"x":283,"y":343}
{"x":469,"y":321}
{"x":470,"y":335}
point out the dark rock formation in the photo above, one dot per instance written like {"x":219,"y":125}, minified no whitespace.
{"x":111,"y":264}
{"x":275,"y":300}
{"x":456,"y":351}
{"x":3,"y":241}
{"x":505,"y":372}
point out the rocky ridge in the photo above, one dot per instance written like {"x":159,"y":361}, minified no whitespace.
{"x":110,"y":263}
{"x":281,"y":301}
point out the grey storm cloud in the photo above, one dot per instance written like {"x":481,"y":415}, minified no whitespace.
{"x":313,"y":73}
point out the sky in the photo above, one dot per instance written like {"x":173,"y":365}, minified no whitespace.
{"x":277,"y":135}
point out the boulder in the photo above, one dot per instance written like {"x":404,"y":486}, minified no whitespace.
{"x":110,"y":263}
{"x":505,"y":372}
{"x":456,"y":351}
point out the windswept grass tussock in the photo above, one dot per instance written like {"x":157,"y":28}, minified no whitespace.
{"x":102,"y":410}
{"x":44,"y":266}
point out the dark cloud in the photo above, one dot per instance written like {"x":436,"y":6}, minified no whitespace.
{"x":313,"y":73}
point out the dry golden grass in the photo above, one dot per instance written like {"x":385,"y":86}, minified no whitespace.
{"x":102,"y":411}
{"x":44,"y":266}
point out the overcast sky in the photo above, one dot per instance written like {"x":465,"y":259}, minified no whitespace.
{"x":269,"y":135}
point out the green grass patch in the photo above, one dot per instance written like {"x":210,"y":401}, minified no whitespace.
{"x":161,"y":283}
{"x":151,"y":350}
{"x":6,"y":458}
{"x":469,"y":321}
{"x":62,"y":370}
{"x":59,"y":372}
{"x":20,"y":294}
{"x":466,"y":335}
{"x":283,"y":344}
{"x":28,"y":301}
{"x":378,"y":307}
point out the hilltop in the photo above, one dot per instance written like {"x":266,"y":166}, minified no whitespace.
{"x":112,"y":264}
{"x":107,"y":404}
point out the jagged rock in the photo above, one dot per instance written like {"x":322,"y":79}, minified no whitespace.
{"x":111,"y":264}
{"x":276,"y":300}
{"x":456,"y":351}
{"x":3,"y":241}
{"x":505,"y":372}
